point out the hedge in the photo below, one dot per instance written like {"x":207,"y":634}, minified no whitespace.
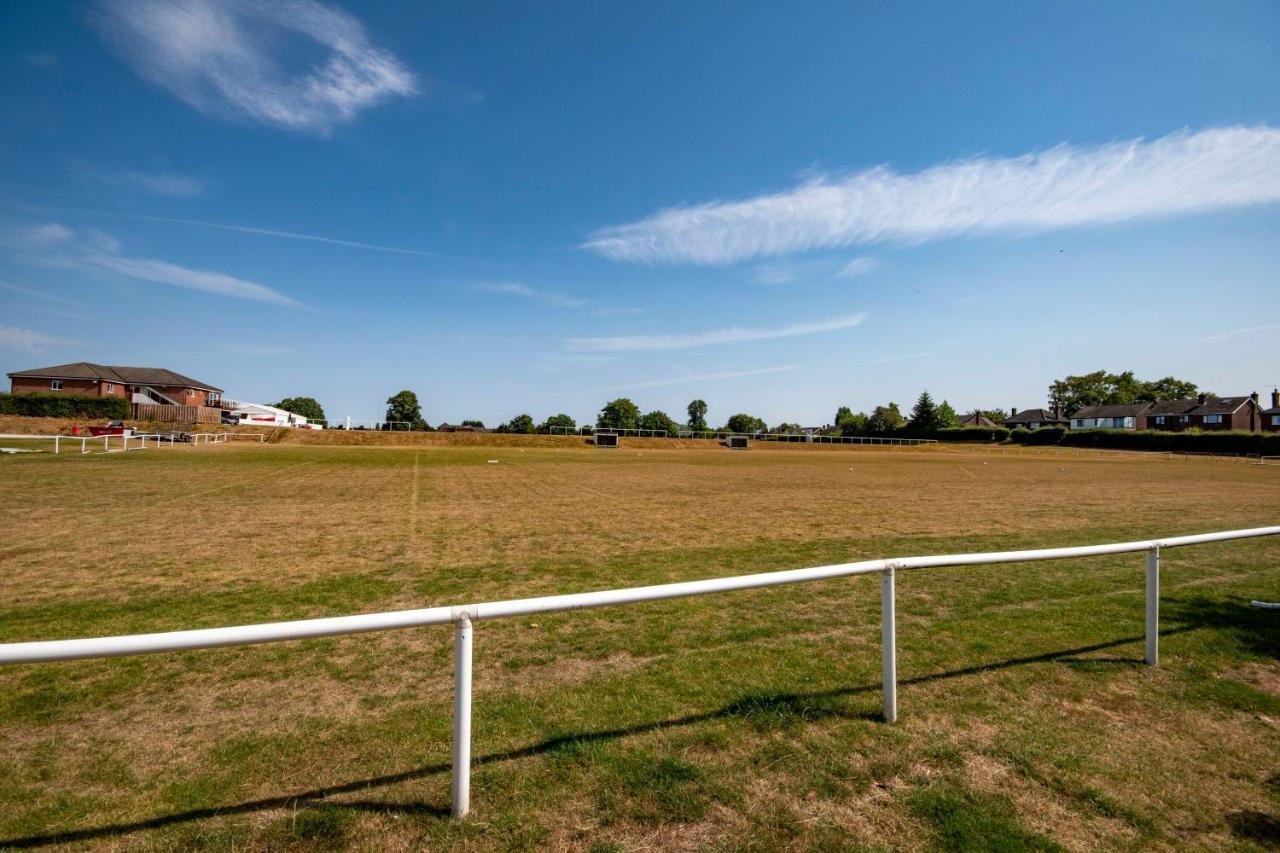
{"x":1043,"y":435}
{"x":972,"y":433}
{"x":1260,"y":443}
{"x":60,"y":406}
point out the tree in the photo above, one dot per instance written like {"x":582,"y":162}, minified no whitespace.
{"x":659,"y":420}
{"x":1168,"y":388}
{"x":520,"y":423}
{"x":307,"y":407}
{"x":996,"y":416}
{"x":474,"y":423}
{"x":1101,"y":388}
{"x":619,"y":414}
{"x":745,"y":423}
{"x":849,"y":423}
{"x":404,"y":407}
{"x":698,"y":415}
{"x":560,"y":420}
{"x":786,"y":428}
{"x":924,"y":415}
{"x":946,"y":415}
{"x":885,"y":420}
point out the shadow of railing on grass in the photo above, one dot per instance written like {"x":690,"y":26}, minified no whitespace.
{"x":762,"y":710}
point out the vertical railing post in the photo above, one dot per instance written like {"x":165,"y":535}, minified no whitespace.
{"x":1153,"y":606}
{"x":889,"y":645}
{"x":55,"y":445}
{"x":462,"y":717}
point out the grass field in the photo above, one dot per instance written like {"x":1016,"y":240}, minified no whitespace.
{"x":742,"y":721}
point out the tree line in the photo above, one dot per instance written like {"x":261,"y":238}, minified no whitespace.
{"x":1067,"y":395}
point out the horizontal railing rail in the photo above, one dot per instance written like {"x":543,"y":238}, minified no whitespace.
{"x":463,"y":616}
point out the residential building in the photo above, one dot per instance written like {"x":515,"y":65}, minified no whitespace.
{"x":145,"y":385}
{"x":976,"y":419}
{"x":1035,"y":419}
{"x":1127,"y":416}
{"x":1271,"y":416}
{"x":1206,"y":413}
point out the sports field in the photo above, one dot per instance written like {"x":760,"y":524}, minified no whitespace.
{"x":742,"y":721}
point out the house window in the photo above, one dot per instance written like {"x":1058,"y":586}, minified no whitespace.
{"x":1213,"y":419}
{"x":1160,"y":420}
{"x":55,"y":384}
{"x":111,"y":388}
{"x":1182,"y":419}
{"x":1275,"y":420}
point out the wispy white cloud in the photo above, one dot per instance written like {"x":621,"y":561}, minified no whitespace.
{"x":27,"y":340}
{"x":1238,"y":333}
{"x":690,"y":379}
{"x":231,"y":57}
{"x":206,"y":281}
{"x":857,"y":267}
{"x":156,"y":183}
{"x":294,"y":235}
{"x":39,"y":294}
{"x":39,"y":236}
{"x":524,"y":291}
{"x":892,"y":358}
{"x":737,"y":335}
{"x":103,"y":241}
{"x":1063,"y":187}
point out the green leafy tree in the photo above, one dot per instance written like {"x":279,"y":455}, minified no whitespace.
{"x":924,"y":415}
{"x":560,"y":420}
{"x":474,"y":423}
{"x":619,"y":414}
{"x":843,"y":414}
{"x":404,"y":407}
{"x":849,"y":423}
{"x":519,"y":424}
{"x":746,"y":424}
{"x":1168,"y":388}
{"x":996,"y":416}
{"x":659,"y":420}
{"x":786,"y":428}
{"x":1101,"y":388}
{"x":946,"y":415}
{"x":305,"y":406}
{"x":885,"y":420}
{"x":698,"y":415}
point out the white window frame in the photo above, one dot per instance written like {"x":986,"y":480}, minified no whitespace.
{"x":55,"y":384}
{"x":111,"y":388}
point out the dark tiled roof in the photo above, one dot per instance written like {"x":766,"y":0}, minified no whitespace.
{"x":1171,"y":407}
{"x":1220,"y":405}
{"x":111,"y":373}
{"x":1044,"y":416}
{"x":974,"y":419}
{"x":1131,"y":410}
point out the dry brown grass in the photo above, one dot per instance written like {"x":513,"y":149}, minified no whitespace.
{"x":225,"y":535}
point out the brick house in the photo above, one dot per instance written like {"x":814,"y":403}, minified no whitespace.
{"x":142,"y":385}
{"x":1271,"y":416}
{"x":1206,"y":413}
{"x":1034,"y":419}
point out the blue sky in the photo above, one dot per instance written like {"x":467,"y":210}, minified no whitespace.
{"x":779,"y":208}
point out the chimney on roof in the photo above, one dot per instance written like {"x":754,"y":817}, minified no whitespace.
{"x":1254,"y":397}
{"x":1200,"y":399}
{"x":1013,"y":413}
{"x":1275,"y":399}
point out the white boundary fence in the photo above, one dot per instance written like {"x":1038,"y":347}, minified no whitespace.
{"x":136,"y":441}
{"x":463,"y":616}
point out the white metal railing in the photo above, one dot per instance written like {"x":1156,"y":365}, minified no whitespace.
{"x":463,"y":616}
{"x":133,"y":441}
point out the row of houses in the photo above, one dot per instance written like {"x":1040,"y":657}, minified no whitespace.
{"x":1244,"y":413}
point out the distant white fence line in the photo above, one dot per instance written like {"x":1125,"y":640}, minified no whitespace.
{"x":463,"y":616}
{"x":134,"y":441}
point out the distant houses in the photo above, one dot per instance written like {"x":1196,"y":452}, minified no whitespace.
{"x":1205,"y":412}
{"x":976,"y":419}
